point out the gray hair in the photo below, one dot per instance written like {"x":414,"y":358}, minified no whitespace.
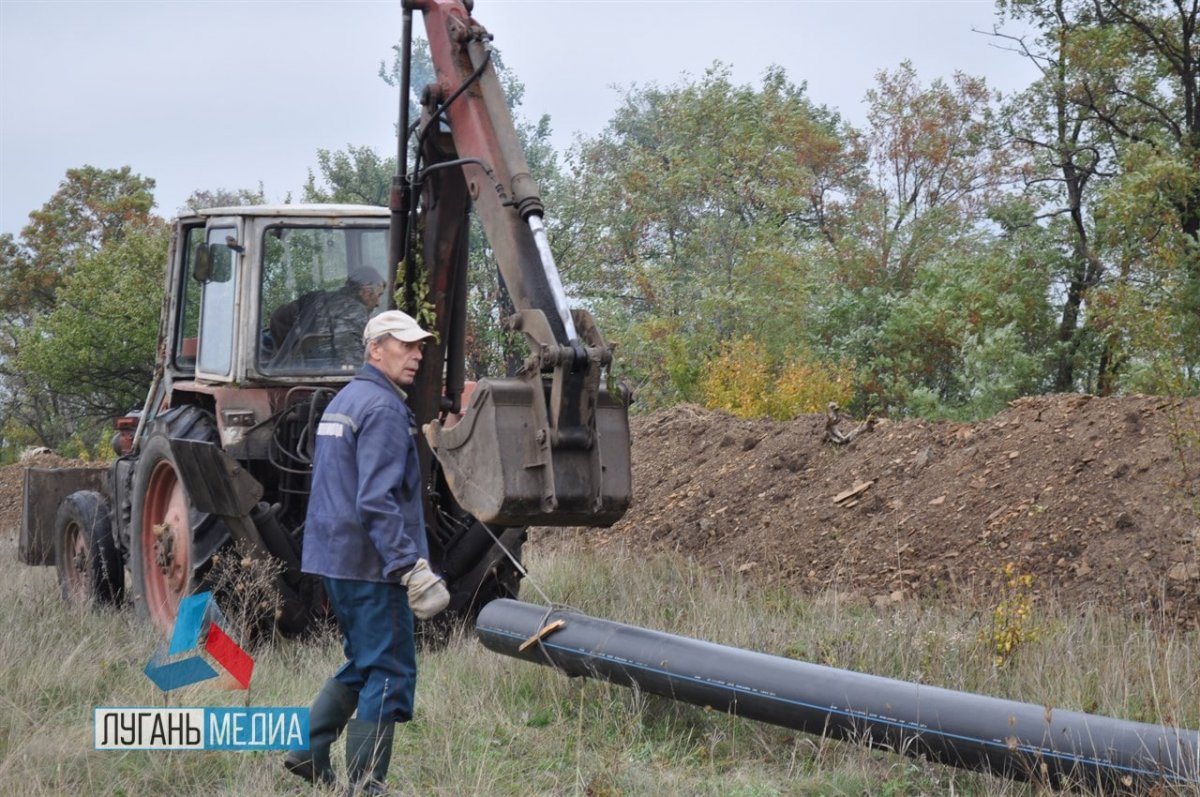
{"x":367,"y":346}
{"x":365,"y":275}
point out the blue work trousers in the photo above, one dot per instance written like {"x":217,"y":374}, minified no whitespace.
{"x":381,"y":655}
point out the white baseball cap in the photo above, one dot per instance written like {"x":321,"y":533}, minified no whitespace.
{"x":400,"y":326}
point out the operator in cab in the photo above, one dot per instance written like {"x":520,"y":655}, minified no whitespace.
{"x":324,"y":327}
{"x":365,"y":537}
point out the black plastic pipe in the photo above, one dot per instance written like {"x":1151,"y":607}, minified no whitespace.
{"x":1008,"y":738}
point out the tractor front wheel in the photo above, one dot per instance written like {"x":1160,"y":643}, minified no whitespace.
{"x":88,"y":562}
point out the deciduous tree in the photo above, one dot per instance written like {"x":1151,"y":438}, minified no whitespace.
{"x":222,"y":198}
{"x":95,"y":350}
{"x":92,"y":207}
{"x":696,"y":216}
{"x":909,"y":294}
{"x":89,"y":245}
{"x":938,"y":162}
{"x":1125,"y":75}
{"x":1068,"y":161}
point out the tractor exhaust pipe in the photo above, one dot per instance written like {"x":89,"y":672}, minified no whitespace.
{"x":1016,"y":740}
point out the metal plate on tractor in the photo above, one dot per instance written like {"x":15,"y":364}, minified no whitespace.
{"x":42,"y":491}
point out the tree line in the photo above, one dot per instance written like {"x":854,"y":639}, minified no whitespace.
{"x":750,"y":249}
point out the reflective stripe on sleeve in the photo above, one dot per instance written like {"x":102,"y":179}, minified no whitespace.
{"x":337,"y":417}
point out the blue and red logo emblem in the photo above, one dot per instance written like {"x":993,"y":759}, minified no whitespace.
{"x":200,"y":649}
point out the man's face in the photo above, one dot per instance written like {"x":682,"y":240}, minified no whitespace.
{"x":397,"y":360}
{"x":369,"y":295}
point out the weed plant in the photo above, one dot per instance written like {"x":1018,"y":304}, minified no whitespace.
{"x":490,"y":725}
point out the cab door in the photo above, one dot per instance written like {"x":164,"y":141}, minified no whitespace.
{"x":217,"y":268}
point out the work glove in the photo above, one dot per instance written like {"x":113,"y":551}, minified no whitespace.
{"x":427,"y":593}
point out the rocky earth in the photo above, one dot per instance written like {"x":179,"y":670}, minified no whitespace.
{"x":1098,"y":499}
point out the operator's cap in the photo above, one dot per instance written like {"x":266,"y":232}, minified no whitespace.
{"x":400,"y":326}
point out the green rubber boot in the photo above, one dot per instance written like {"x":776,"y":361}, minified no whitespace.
{"x":368,"y":754}
{"x":330,"y":711}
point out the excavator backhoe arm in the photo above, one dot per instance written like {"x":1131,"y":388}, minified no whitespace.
{"x":549,"y":446}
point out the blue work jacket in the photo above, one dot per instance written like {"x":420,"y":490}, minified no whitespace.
{"x":365,"y":519}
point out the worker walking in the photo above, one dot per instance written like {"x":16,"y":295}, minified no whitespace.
{"x":365,"y":536}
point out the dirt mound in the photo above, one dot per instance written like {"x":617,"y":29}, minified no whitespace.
{"x":12,"y":481}
{"x":1097,"y":499}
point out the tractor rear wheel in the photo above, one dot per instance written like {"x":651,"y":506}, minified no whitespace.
{"x":89,"y":565}
{"x":174,"y":547}
{"x":163,"y":519}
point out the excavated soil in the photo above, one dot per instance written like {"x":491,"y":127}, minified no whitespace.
{"x":12,"y":481}
{"x":1098,"y":499}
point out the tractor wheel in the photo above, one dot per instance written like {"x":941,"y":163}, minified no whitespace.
{"x":500,"y":578}
{"x":489,"y":576}
{"x":173,"y":545}
{"x":161,"y":555}
{"x":89,"y":565}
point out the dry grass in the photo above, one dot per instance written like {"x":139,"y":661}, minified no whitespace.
{"x":488,"y":725}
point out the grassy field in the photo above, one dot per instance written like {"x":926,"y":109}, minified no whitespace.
{"x":489,"y":725}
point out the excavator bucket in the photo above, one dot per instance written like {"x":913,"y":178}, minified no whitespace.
{"x":507,"y":465}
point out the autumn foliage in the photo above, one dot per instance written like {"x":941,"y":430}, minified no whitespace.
{"x":751,"y":249}
{"x":743,"y":381}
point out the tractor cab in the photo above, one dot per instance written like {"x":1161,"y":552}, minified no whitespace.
{"x":273,"y":294}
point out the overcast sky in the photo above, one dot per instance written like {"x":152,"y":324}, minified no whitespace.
{"x":207,"y":94}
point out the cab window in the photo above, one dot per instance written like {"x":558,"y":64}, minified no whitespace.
{"x":320,"y":285}
{"x":187,"y":317}
{"x":218,"y":291}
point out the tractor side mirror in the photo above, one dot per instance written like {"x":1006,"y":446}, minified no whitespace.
{"x":201,"y":264}
{"x":213,"y":263}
